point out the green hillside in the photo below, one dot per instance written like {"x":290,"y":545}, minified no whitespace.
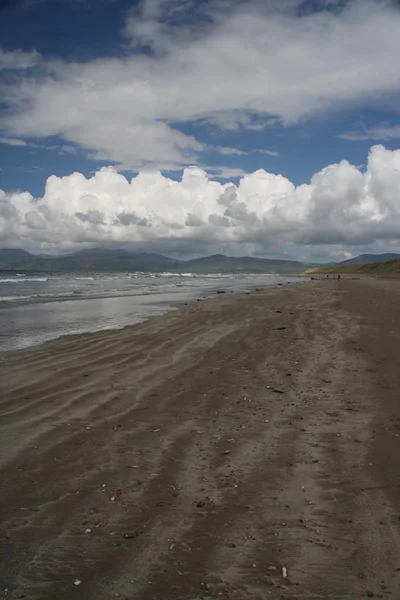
{"x":390,"y":266}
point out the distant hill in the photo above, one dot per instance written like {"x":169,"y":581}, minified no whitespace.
{"x":364,"y":259}
{"x":97,"y":262}
{"x":219,"y":263}
{"x":376,"y":268}
{"x":120,"y":260}
{"x":101,"y":252}
{"x":10,"y":256}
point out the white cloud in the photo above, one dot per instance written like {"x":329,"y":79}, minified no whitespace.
{"x":246,"y":66}
{"x":225,"y":172}
{"x":230,"y":151}
{"x":227,"y":151}
{"x":18,"y":59}
{"x":383,"y":131}
{"x":12,"y":141}
{"x":340,"y":208}
{"x":60,"y":149}
{"x":269,"y":152}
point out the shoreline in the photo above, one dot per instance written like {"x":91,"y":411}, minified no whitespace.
{"x":212,"y":450}
{"x":170,"y":306}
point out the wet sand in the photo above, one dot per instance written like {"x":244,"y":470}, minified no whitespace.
{"x":242,"y":448}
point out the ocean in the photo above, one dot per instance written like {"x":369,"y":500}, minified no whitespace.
{"x":38,"y":308}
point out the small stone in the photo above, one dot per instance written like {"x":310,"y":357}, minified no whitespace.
{"x":132,"y":535}
{"x":77,"y":582}
{"x":87,"y":530}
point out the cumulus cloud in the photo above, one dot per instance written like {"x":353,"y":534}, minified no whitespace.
{"x":225,"y":172}
{"x":237,"y":65}
{"x":264,"y":212}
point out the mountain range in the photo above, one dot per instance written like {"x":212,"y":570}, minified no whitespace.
{"x":121,"y":260}
{"x":113,"y":260}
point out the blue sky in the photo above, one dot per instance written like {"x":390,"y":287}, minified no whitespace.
{"x":233,"y":87}
{"x":83,"y":30}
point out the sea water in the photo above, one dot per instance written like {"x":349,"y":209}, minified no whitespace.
{"x":37,"y":308}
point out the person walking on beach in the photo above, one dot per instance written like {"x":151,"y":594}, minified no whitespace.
{"x":338,"y":277}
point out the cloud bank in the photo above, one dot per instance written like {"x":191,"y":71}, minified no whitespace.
{"x":238,"y":65}
{"x":341,"y":206}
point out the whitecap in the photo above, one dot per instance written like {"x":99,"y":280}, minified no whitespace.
{"x":22,"y":280}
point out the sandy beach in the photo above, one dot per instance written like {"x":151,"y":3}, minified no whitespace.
{"x":244,"y":447}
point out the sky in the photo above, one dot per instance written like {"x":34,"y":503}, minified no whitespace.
{"x":191,"y":127}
